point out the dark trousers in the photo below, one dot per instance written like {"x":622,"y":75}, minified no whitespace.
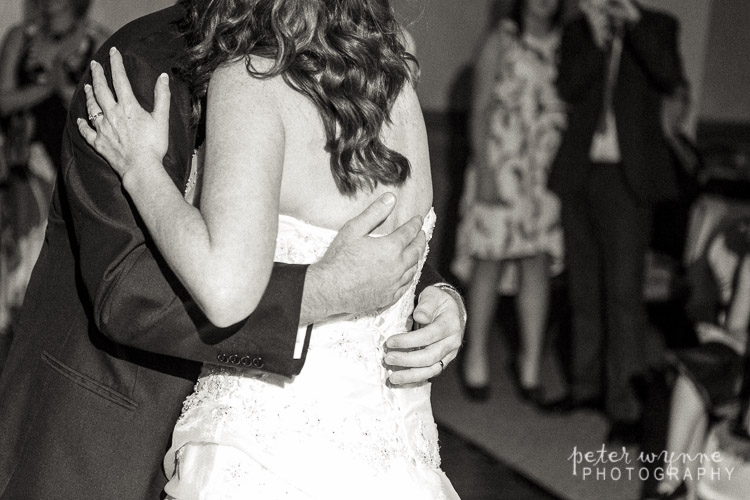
{"x":607,"y":232}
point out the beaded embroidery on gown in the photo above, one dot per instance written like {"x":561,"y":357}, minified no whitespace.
{"x":336,"y":431}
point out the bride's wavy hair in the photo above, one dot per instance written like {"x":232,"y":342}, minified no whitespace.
{"x":347,"y":56}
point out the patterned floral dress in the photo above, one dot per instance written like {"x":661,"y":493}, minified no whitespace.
{"x":522,"y":130}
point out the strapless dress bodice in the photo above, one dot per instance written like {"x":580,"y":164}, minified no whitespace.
{"x":338,"y":426}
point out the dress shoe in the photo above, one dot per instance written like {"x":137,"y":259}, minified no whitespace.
{"x":625,"y":432}
{"x":479,"y":393}
{"x":533,"y":395}
{"x":568,"y":404}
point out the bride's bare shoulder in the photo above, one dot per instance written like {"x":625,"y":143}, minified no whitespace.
{"x":242,"y":76}
{"x":250,"y":102}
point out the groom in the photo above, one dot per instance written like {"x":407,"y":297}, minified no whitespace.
{"x":109,"y":344}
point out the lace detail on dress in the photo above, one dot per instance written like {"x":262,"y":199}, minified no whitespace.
{"x":277,"y":423}
{"x":338,"y":413}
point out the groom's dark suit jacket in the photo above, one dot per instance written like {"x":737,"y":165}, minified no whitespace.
{"x":650,"y":68}
{"x":109,"y":344}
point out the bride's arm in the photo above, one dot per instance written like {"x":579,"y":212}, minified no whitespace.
{"x":223,"y":254}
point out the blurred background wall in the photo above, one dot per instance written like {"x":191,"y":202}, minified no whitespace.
{"x":10,"y":13}
{"x":727,"y":67}
{"x":712,"y":33}
{"x":715,"y":38}
{"x":110,"y":13}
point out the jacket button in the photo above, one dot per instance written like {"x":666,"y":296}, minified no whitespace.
{"x":258,"y":362}
{"x":246,"y":361}
{"x":234,"y":359}
{"x":223,"y":358}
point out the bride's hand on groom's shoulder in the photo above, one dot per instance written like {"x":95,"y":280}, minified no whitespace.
{"x":118,"y":128}
{"x":360,"y":273}
{"x":424,"y":353}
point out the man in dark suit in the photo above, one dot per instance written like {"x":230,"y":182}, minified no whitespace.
{"x":109,"y":344}
{"x":617,"y":62}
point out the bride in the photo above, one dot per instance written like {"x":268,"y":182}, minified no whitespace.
{"x":311,"y":115}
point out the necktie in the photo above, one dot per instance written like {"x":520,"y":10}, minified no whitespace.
{"x":613,"y":66}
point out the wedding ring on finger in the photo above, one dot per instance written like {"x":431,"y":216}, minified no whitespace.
{"x":93,"y":118}
{"x":442,"y":366}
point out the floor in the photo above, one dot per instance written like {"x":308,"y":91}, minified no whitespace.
{"x":477,"y":475}
{"x":503,"y":449}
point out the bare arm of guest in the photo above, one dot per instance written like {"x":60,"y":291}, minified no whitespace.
{"x":486,"y":71}
{"x":14,"y":97}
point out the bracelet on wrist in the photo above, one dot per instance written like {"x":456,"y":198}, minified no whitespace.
{"x":453,"y":291}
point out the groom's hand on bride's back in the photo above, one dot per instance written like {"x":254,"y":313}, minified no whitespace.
{"x":359,"y":272}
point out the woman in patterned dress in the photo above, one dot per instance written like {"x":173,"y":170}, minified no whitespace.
{"x":40,"y":63}
{"x":511,"y":220}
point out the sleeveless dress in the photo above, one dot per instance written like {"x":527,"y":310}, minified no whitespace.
{"x":338,"y":430}
{"x":524,"y":123}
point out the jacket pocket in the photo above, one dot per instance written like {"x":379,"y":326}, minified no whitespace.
{"x":90,"y":384}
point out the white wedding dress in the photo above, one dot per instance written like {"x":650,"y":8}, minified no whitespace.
{"x":336,"y":431}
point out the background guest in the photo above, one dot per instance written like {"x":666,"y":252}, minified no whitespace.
{"x":40,"y":63}
{"x":511,"y":222}
{"x":618,"y":60}
{"x":710,"y":375}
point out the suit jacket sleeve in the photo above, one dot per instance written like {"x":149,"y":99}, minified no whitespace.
{"x":582,"y":63}
{"x":653,"y":41}
{"x":428,"y":277}
{"x":135,"y":299}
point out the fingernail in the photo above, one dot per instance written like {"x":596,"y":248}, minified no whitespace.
{"x":112,"y":50}
{"x":164,"y":77}
{"x":93,"y":64}
{"x":87,"y":87}
{"x":388,"y":199}
{"x":78,"y":121}
{"x":390,"y":360}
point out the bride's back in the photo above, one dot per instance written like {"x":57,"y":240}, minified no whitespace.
{"x":308,"y":189}
{"x":338,"y":74}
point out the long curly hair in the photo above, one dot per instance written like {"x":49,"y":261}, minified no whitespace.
{"x":347,"y":56}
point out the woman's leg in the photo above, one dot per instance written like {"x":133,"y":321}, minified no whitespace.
{"x":482,"y":300}
{"x":688,"y":423}
{"x":532,"y":305}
